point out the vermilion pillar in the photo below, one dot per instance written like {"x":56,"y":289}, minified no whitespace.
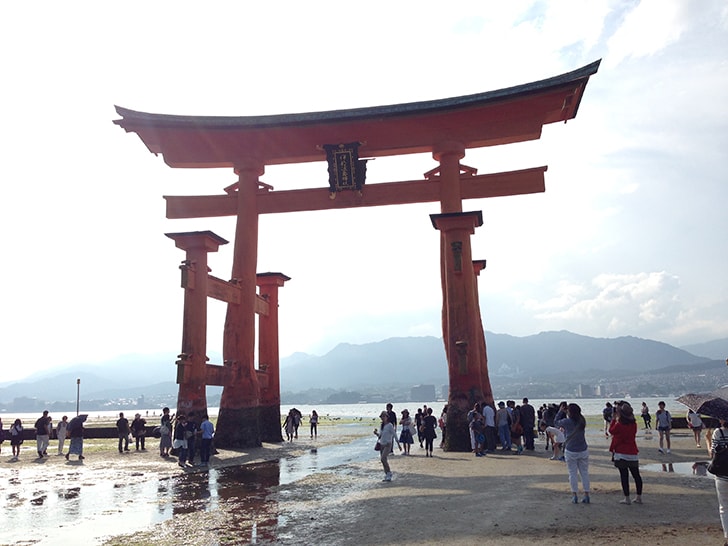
{"x":237,"y":424}
{"x":269,"y":358}
{"x":478,"y":266}
{"x":462,"y":346}
{"x":448,"y":154}
{"x":193,"y":358}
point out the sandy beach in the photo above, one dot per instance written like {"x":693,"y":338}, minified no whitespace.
{"x":452,"y":498}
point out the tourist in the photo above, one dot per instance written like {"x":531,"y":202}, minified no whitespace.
{"x":719,"y":442}
{"x":470,"y":417}
{"x":442,"y":423}
{"x":549,"y":415}
{"x":623,"y":429}
{"x":539,"y":420}
{"x":477,"y":433}
{"x":392,"y":417}
{"x":405,"y":437}
{"x":122,"y":427}
{"x":663,"y":421}
{"x":607,"y":414}
{"x":419,"y":417}
{"x":165,"y":431}
{"x":646,"y":417}
{"x":576,"y":451}
{"x":516,"y":427}
{"x":556,"y":436}
{"x":42,"y":434}
{"x":696,"y":424}
{"x":191,"y":437}
{"x":313,"y":420}
{"x":207,"y":432}
{"x":503,"y":423}
{"x":297,"y":417}
{"x":561,"y":412}
{"x":289,"y":426}
{"x":2,"y":434}
{"x":430,"y":424}
{"x":16,"y":438}
{"x":75,"y":431}
{"x":61,"y":432}
{"x":180,"y":439}
{"x":528,"y":421}
{"x":139,"y":431}
{"x":490,"y":430}
{"x":386,"y":439}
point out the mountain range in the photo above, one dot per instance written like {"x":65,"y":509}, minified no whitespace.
{"x":395,"y":362}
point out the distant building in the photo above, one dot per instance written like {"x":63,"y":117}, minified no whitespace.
{"x":585,"y":391}
{"x":423,"y":393}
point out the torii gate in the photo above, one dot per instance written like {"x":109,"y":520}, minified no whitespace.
{"x":445,"y":128}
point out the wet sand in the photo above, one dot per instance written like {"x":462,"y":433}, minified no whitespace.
{"x":454,"y":498}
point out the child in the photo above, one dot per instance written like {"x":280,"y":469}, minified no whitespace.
{"x":16,"y":438}
{"x":477,"y":426}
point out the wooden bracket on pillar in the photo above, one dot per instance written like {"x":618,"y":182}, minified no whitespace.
{"x":450,"y":221}
{"x":182,"y":364}
{"x":478,"y":266}
{"x":464,"y":169}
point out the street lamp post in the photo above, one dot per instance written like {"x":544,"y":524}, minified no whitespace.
{"x":78,"y":394}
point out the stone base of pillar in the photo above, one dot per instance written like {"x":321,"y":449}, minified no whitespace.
{"x":270,"y":424}
{"x":237,"y":428}
{"x":458,"y":428}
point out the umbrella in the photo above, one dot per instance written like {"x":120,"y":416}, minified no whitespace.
{"x":77,"y":421}
{"x":706,"y":404}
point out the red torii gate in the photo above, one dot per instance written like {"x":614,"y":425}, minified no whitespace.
{"x":445,"y":128}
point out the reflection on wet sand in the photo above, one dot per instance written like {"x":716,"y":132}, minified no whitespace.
{"x":697,"y":468}
{"x":250,"y":512}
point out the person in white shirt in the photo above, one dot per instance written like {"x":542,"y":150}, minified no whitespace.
{"x":696,"y":424}
{"x":61,"y":431}
{"x":386,"y":439}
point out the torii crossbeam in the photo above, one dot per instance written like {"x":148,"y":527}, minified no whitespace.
{"x":445,"y":128}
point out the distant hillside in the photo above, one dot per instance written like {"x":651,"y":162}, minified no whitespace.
{"x":716,"y":349}
{"x":559,"y":352}
{"x":410,"y":361}
{"x":395,"y":362}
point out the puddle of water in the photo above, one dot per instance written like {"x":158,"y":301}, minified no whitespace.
{"x":697,"y":468}
{"x":91,"y":506}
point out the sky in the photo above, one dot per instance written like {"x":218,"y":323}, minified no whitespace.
{"x":628,"y":239}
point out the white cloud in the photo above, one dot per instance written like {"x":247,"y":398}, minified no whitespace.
{"x":647,"y":29}
{"x":613,"y":304}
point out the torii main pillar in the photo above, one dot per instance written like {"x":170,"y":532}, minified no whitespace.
{"x":238,"y":420}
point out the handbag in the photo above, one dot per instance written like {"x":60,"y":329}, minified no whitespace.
{"x":719,"y":463}
{"x":377,"y":446}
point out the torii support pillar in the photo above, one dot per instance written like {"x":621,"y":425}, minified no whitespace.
{"x":478,"y":266}
{"x":191,"y":373}
{"x":465,"y":357}
{"x":238,"y":420}
{"x":269,"y":359}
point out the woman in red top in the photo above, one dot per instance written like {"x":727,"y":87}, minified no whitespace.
{"x":623,"y":430}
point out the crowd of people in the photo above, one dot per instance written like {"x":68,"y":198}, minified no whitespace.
{"x":562,"y":426}
{"x":181,"y":435}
